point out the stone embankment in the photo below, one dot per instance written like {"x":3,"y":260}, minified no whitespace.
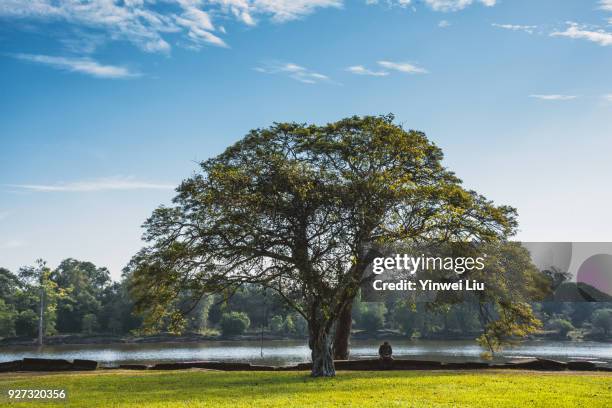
{"x":41,"y":364}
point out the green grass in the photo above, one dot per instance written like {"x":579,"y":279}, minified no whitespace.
{"x":196,"y":388}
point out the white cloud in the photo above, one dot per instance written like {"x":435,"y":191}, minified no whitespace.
{"x":576,"y":31}
{"x":455,"y":5}
{"x":608,"y":97}
{"x":131,"y":21}
{"x":553,"y":97}
{"x":391,"y":3}
{"x":150,"y":24}
{"x":516,"y":27}
{"x":361,"y":70}
{"x":436,"y":5}
{"x":102,"y":184}
{"x":153,"y":25}
{"x":279,"y":10}
{"x":294,"y":71}
{"x":198,"y":24}
{"x":444,"y":24}
{"x":80,"y":42}
{"x":605,"y":5}
{"x":80,"y":65}
{"x":402,"y":67}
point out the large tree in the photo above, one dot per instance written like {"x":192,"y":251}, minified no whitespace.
{"x":296,"y":208}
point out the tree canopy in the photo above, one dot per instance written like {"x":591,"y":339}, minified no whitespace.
{"x":85,"y":284}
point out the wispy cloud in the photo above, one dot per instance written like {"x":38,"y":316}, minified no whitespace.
{"x":605,"y":5}
{"x":152,"y":24}
{"x":444,"y":24}
{"x":102,"y":184}
{"x":553,"y":97}
{"x":436,"y":5}
{"x":607,"y":97}
{"x":198,"y":24}
{"x":361,"y":70}
{"x":456,"y":5}
{"x":391,"y":3}
{"x":132,"y":20}
{"x":404,"y":67}
{"x":279,"y":10}
{"x":576,"y":31}
{"x":81,"y":42}
{"x":293,"y":71}
{"x":516,"y":27}
{"x":86,"y":66}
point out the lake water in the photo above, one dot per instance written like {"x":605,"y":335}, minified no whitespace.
{"x":283,"y":352}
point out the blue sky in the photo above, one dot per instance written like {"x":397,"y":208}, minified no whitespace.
{"x":105,"y":106}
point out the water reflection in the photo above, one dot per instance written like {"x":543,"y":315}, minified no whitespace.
{"x":282,"y":352}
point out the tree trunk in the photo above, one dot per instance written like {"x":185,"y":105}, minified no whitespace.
{"x":343,"y":333}
{"x":320,"y":343}
{"x":41,"y":314}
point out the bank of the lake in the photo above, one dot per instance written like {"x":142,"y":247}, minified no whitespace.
{"x":283,"y":389}
{"x":285,"y":352}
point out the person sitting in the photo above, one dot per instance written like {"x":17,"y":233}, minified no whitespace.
{"x":384,"y":354}
{"x":385,"y":351}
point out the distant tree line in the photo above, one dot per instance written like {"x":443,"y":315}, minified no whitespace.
{"x":80,"y":298}
{"x":461,"y":320}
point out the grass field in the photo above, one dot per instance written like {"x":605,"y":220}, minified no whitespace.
{"x":196,"y":388}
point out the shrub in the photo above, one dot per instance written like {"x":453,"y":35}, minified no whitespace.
{"x":234,"y":323}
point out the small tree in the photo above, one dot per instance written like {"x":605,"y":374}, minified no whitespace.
{"x":234,"y":323}
{"x":602,"y":319}
{"x":37,"y":288}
